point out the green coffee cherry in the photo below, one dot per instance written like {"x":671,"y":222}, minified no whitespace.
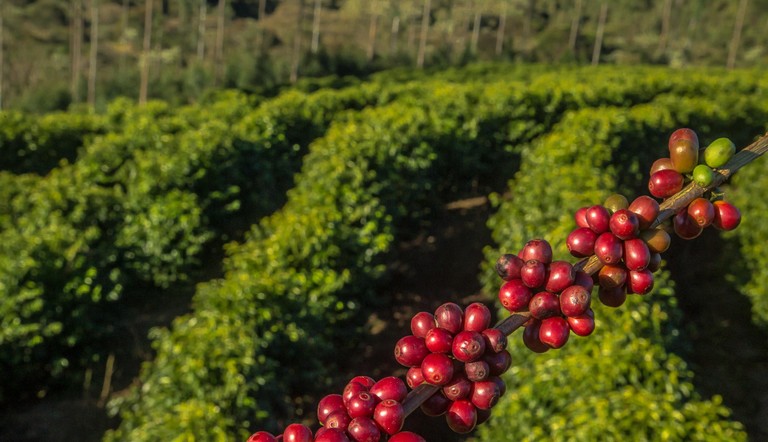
{"x":719,"y":152}
{"x":703,"y":175}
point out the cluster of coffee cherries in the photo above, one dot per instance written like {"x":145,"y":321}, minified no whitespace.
{"x":365,"y":412}
{"x":458,"y":351}
{"x":686,"y":163}
{"x":557,"y":295}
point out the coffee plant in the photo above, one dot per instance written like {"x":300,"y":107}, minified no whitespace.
{"x":454,"y":356}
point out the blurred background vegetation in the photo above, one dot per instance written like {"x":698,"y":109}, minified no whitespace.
{"x":63,"y":52}
{"x":196,"y":195}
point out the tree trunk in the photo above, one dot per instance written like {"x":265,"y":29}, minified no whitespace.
{"x":297,"y":44}
{"x":599,"y":36}
{"x":475,"y":31}
{"x":394,"y":34}
{"x":123,"y":33}
{"x":527,"y":24}
{"x":219,"y":56}
{"x":733,"y":49}
{"x":2,"y":53}
{"x":145,"y":53}
{"x":373,"y":29}
{"x":502,"y":28}
{"x":665,"y":18}
{"x":201,"y":18}
{"x":424,"y":33}
{"x":575,"y":28}
{"x":260,"y":34}
{"x":93,"y":56}
{"x":77,"y":43}
{"x":316,"y":26}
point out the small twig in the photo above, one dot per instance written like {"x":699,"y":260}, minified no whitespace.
{"x":591,"y":265}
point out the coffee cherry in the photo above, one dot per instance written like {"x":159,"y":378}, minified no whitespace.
{"x":574,"y":300}
{"x":538,"y":249}
{"x":703,"y":175}
{"x":581,"y":242}
{"x":406,"y":436}
{"x":508,"y":266}
{"x":665,"y":183}
{"x":351,"y":390}
{"x":616,"y":202}
{"x":361,"y":405}
{"x":609,"y":249}
{"x":646,"y":209}
{"x":533,"y":274}
{"x":515,"y":296}
{"x":324,"y":434}
{"x":636,"y":254}
{"x":701,"y":211}
{"x":561,"y":276}
{"x":390,"y":387}
{"x":661,"y":164}
{"x":414,"y":377}
{"x":367,"y":381}
{"x":468,"y":346}
{"x":437,"y":369}
{"x":624,"y":224}
{"x":485,"y":394}
{"x":580,"y":216}
{"x":477,"y":317}
{"x":338,"y":419}
{"x":727,"y":216}
{"x":655,"y":263}
{"x":640,"y":281}
{"x":498,"y":363}
{"x":684,"y":134}
{"x":459,"y":388}
{"x":684,"y":155}
{"x":390,"y":416}
{"x":531,"y":337}
{"x":297,"y":433}
{"x":685,"y":227}
{"x":439,"y":340}
{"x":719,"y":152}
{"x":329,"y":404}
{"x":612,"y":276}
{"x":495,"y":340}
{"x":421,"y":323}
{"x":364,"y":429}
{"x":477,"y":370}
{"x":613,"y":297}
{"x":657,"y":240}
{"x":436,"y":405}
{"x":584,"y":279}
{"x":554,"y":331}
{"x":598,"y":219}
{"x":582,"y":325}
{"x":262,"y":436}
{"x":461,"y":416}
{"x":410,"y":351}
{"x":544,"y":305}
{"x":450,"y":317}
{"x":482,"y":416}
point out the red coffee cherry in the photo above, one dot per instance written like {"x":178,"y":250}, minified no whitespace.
{"x":624,"y":224}
{"x":485,"y":394}
{"x":544,"y":305}
{"x":364,"y":429}
{"x":640,"y":281}
{"x":389,"y":415}
{"x":439,"y":340}
{"x":581,"y":242}
{"x":665,"y":183}
{"x":390,"y":387}
{"x":477,"y":317}
{"x":495,"y":340}
{"x":351,"y":390}
{"x":458,"y":388}
{"x":538,"y":249}
{"x":609,"y":249}
{"x":727,"y":216}
{"x":554,"y":331}
{"x":582,"y":325}
{"x":685,"y":227}
{"x":533,"y":273}
{"x":262,"y":436}
{"x":646,"y":209}
{"x":515,"y":296}
{"x":361,"y":405}
{"x":437,"y":369}
{"x":508,"y":266}
{"x":468,"y":346}
{"x":367,"y":381}
{"x":450,"y":317}
{"x":580,"y":216}
{"x":406,"y":436}
{"x":421,"y":323}
{"x":598,"y":219}
{"x":477,"y":370}
{"x":410,"y":351}
{"x":414,"y":377}
{"x":297,"y":433}
{"x":636,"y":254}
{"x":329,"y":404}
{"x":575,"y":300}
{"x":461,"y":416}
{"x":324,"y":434}
{"x":702,"y":212}
{"x":531,"y":337}
{"x":338,"y":419}
{"x":561,"y":276}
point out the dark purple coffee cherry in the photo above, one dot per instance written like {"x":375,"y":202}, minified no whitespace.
{"x":477,"y":370}
{"x":495,"y":340}
{"x":508,"y":266}
{"x":436,"y":405}
{"x":544,"y":305}
{"x":531,"y":337}
{"x":498,"y":363}
{"x":450,"y":317}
